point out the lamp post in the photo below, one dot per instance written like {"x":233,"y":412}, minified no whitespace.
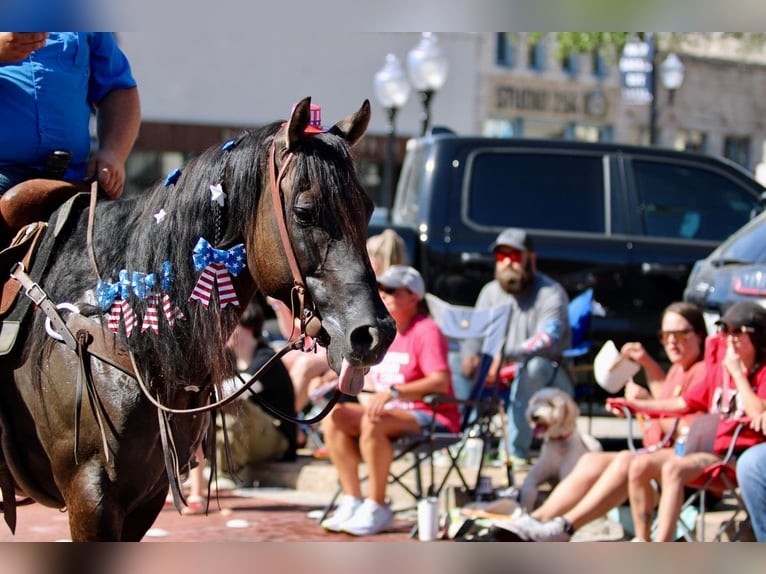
{"x":428,"y":68}
{"x":672,"y":74}
{"x":392,"y":91}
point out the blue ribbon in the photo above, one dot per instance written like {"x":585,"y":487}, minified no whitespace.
{"x":107,"y":292}
{"x":168,"y":277}
{"x":204,"y":254}
{"x":172,"y":177}
{"x":142,"y":284}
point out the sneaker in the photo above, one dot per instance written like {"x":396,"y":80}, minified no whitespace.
{"x":370,"y":518}
{"x":343,"y":512}
{"x":556,"y":530}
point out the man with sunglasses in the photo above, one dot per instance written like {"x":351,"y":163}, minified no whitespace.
{"x":538,"y":333}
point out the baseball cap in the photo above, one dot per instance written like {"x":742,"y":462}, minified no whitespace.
{"x":515,"y":238}
{"x":745,"y":314}
{"x":403,"y":276}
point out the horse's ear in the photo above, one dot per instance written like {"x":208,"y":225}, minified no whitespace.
{"x":297,"y":123}
{"x":352,"y":128}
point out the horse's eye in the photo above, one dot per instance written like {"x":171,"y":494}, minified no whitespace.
{"x":305,"y":209}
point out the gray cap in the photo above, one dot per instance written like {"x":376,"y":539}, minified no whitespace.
{"x":515,"y":238}
{"x":403,"y":276}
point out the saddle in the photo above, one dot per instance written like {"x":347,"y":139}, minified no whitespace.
{"x":34,"y":200}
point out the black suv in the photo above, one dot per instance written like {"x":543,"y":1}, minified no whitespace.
{"x":627,"y":221}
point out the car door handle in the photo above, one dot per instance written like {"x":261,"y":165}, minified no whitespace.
{"x":675,"y":269}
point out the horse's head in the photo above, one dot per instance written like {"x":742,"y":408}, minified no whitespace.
{"x":326,"y":213}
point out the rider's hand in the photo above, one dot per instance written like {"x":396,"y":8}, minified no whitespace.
{"x":15,"y":46}
{"x":110,"y":171}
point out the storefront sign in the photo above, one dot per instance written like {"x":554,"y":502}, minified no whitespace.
{"x":570,"y":102}
{"x":636,"y":72}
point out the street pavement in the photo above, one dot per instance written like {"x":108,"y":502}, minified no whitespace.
{"x":284,"y":508}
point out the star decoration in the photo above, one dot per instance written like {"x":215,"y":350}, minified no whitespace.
{"x":217,"y":194}
{"x":160,"y":215}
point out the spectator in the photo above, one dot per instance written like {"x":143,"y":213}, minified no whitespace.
{"x":414,"y":366}
{"x":50,"y":82}
{"x":751,"y":475}
{"x":538,"y":333}
{"x":733,"y":388}
{"x":599,"y":480}
{"x":386,"y":249}
{"x":258,"y":435}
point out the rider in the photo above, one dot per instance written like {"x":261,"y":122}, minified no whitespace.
{"x":50,"y":82}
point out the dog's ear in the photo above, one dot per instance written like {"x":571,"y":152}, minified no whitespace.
{"x":570,"y":410}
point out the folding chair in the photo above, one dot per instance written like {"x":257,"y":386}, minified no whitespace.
{"x":579,"y":311}
{"x":718,"y":479}
{"x":478,"y":411}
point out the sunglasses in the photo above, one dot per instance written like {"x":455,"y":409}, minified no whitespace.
{"x":390,"y":290}
{"x":514,"y":256}
{"x":680,"y":336}
{"x":725,"y":329}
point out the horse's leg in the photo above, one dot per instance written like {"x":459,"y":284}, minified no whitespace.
{"x":141,"y":519}
{"x":94,"y":514}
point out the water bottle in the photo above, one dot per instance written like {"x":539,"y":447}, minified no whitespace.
{"x":681,"y":441}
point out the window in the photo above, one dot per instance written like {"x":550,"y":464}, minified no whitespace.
{"x":570,"y":64}
{"x":536,"y":56}
{"x":536,"y":191}
{"x":599,"y":65}
{"x":506,"y":53}
{"x":690,"y":202}
{"x":737,"y":149}
{"x":691,"y":140}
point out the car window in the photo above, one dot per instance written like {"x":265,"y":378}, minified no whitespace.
{"x":690,"y":202}
{"x":407,"y":200}
{"x":536,"y":191}
{"x":747,"y":246}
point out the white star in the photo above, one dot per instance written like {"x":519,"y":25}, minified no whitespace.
{"x":217,"y":194}
{"x":160,"y":215}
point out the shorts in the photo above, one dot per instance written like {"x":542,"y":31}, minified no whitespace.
{"x":424,"y":420}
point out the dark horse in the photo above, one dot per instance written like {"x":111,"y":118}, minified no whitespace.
{"x":117,"y":495}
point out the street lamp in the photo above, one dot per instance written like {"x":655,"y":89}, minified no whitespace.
{"x":672,"y":73}
{"x":428,"y":68}
{"x":392,"y":91}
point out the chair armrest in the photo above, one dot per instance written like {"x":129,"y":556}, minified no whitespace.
{"x":630,"y":410}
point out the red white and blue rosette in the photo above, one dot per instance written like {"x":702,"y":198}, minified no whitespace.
{"x":217,"y":266}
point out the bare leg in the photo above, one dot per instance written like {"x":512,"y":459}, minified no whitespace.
{"x":643,"y":498}
{"x":303,"y":369}
{"x":341,"y":430}
{"x":675,"y":474}
{"x":610,"y":490}
{"x":570,"y":491}
{"x":377,"y":450}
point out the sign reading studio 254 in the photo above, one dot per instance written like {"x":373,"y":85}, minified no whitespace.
{"x":561,"y":100}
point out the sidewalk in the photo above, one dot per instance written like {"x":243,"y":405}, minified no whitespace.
{"x":314,"y":481}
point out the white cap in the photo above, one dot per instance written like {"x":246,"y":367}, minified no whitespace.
{"x":403,"y":276}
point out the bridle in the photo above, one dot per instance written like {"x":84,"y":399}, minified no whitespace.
{"x":310,"y":324}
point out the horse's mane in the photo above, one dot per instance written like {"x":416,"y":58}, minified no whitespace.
{"x":127,"y":236}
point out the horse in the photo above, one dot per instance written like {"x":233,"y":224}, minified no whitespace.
{"x":283,"y":210}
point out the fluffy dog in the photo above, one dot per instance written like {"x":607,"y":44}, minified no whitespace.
{"x":552,"y":414}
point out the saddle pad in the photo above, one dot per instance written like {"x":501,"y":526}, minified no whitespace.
{"x":21,"y":249}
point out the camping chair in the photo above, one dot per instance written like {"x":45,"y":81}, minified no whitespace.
{"x":477,"y":409}
{"x":580,"y":311}
{"x":420,"y":449}
{"x":718,"y":478}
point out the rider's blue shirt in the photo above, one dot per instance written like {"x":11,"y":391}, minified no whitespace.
{"x":47,"y":98}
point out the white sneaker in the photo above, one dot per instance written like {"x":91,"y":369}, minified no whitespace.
{"x":370,"y":518}
{"x":556,"y":530}
{"x":343,"y":512}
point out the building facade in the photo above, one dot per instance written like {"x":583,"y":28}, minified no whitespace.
{"x":500,"y":84}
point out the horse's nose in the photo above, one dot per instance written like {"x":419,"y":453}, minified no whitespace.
{"x":369,"y":341}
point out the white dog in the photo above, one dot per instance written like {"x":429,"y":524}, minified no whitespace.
{"x":552,"y":413}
